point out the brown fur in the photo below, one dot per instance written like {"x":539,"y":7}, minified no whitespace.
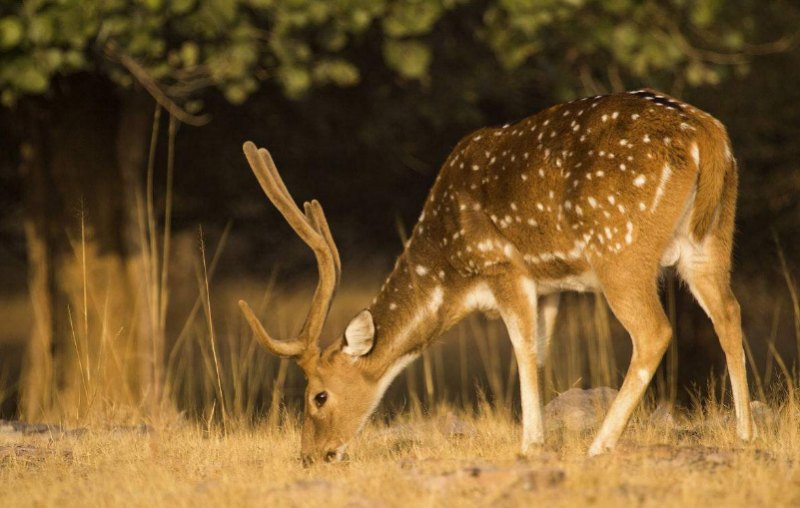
{"x":714,"y":169}
{"x":593,"y":195}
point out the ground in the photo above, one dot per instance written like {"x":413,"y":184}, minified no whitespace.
{"x":439,"y":459}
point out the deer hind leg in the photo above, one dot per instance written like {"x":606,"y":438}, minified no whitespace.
{"x":640,"y":312}
{"x":547,"y":313}
{"x":706,"y":273}
{"x":518,"y":305}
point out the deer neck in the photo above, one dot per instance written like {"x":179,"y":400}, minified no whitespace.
{"x":417,"y":303}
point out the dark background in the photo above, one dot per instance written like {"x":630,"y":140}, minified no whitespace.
{"x":371,"y":151}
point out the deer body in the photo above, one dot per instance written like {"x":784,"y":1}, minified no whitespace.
{"x":594,"y":195}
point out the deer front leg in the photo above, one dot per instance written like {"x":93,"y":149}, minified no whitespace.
{"x":517,"y":302}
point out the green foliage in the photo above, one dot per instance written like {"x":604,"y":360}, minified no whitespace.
{"x":235,"y":45}
{"x":645,"y":41}
{"x":411,"y":17}
{"x":410,"y":59}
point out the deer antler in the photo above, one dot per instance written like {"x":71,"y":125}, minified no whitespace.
{"x":312,"y":227}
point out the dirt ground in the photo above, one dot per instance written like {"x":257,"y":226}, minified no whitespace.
{"x":443,"y":459}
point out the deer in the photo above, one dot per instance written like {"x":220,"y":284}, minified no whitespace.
{"x":599,"y":195}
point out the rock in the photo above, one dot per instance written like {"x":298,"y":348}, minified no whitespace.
{"x":25,"y":428}
{"x":665,"y":418}
{"x":763,"y":415}
{"x":139,"y":428}
{"x":19,"y":428}
{"x":309,"y":485}
{"x":579,"y":410}
{"x":29,"y":453}
{"x":763,"y":418}
{"x":685,"y":457}
{"x":496,"y":478}
{"x":399,"y":435}
{"x":207,"y":486}
{"x":662,"y":417}
{"x":366,"y":502}
{"x":299,"y":492}
{"x":15,"y":429}
{"x":452,"y":426}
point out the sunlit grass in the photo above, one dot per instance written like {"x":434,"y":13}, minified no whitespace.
{"x":195,"y":464}
{"x":225,"y":424}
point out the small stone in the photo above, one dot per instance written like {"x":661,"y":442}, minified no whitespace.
{"x":662,"y":417}
{"x":495,"y":478}
{"x":763,"y":415}
{"x":139,"y":428}
{"x":452,"y":426}
{"x":30,"y":453}
{"x":579,"y":410}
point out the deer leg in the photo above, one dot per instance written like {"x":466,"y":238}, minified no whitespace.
{"x":641,"y":314}
{"x":712,"y":289}
{"x":518,"y":304}
{"x":548,"y":311}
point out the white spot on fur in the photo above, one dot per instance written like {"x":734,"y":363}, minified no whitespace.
{"x":437,"y":297}
{"x":696,"y":154}
{"x":666,"y":173}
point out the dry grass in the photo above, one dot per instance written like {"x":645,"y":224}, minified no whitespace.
{"x":224,"y":437}
{"x":225,"y":432}
{"x":411,"y":464}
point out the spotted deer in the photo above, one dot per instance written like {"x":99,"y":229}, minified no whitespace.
{"x":599,"y":194}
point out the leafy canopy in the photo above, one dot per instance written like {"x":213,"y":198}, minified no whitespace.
{"x":236,"y":45}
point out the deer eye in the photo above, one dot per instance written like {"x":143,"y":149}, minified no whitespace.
{"x":320,"y":398}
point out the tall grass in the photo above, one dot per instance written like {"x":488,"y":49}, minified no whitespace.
{"x":216,"y":372}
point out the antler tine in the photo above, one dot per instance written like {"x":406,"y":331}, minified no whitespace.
{"x":283,"y":348}
{"x":308,"y":228}
{"x":276,"y":176}
{"x":317,"y":218}
{"x":264,"y":168}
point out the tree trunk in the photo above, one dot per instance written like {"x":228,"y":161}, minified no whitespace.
{"x":82,"y":150}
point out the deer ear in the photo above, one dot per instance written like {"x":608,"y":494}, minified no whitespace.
{"x":359,"y":336}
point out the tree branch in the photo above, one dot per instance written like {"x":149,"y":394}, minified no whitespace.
{"x":149,"y":83}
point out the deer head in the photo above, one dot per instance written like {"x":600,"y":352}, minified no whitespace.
{"x":341,"y":392}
